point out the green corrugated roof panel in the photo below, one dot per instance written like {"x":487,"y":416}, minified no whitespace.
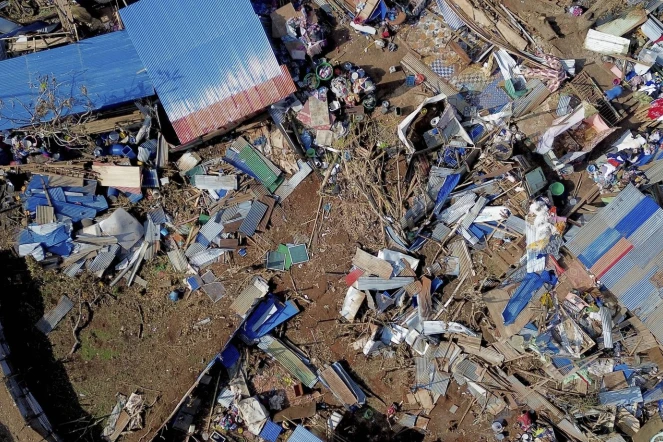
{"x":254,"y":162}
{"x":283,"y":249}
{"x":298,"y":253}
{"x":288,"y":359}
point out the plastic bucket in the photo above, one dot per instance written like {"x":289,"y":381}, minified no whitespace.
{"x":116,"y":149}
{"x":324,"y":71}
{"x":557,"y":189}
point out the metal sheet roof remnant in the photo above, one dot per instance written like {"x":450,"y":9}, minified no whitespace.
{"x":77,"y":65}
{"x":301,"y":434}
{"x":51,"y":318}
{"x":288,"y":359}
{"x":253,"y":218}
{"x":605,"y":43}
{"x":627,"y":396}
{"x":239,"y":76}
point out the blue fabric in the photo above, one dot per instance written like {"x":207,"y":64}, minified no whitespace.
{"x":613,"y":93}
{"x":522,"y":296}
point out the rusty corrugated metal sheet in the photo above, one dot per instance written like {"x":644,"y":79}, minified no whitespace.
{"x":610,"y":258}
{"x":613,"y":275}
{"x":211,"y":83}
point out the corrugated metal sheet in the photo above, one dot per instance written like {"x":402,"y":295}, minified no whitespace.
{"x":84,"y":64}
{"x":606,"y":325}
{"x":255,"y":290}
{"x":51,"y":318}
{"x":301,"y":434}
{"x":626,"y":396}
{"x":537,"y":93}
{"x":253,"y":218}
{"x":469,"y":370}
{"x":633,"y":298}
{"x":157,"y":215}
{"x":637,"y":216}
{"x":655,"y":172}
{"x":211,"y":229}
{"x":604,"y":242}
{"x":624,"y":203}
{"x":646,"y":229}
{"x":654,"y":323}
{"x":613,"y":275}
{"x":473,"y":212}
{"x":211,"y":80}
{"x":288,"y":359}
{"x":610,"y":258}
{"x":104,"y":259}
{"x":45,"y":215}
{"x":460,"y":207}
{"x":206,"y":257}
{"x":587,"y":234}
{"x":652,"y":29}
{"x":627,"y":280}
{"x":194,"y":249}
{"x":440,"y":232}
{"x":605,"y":43}
{"x":334,"y":382}
{"x":73,"y":269}
{"x":649,"y":305}
{"x":291,"y":184}
{"x":648,"y":250}
{"x":450,"y":17}
{"x":178,"y":260}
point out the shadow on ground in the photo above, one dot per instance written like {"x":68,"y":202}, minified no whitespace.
{"x":21,"y":306}
{"x":5,"y":435}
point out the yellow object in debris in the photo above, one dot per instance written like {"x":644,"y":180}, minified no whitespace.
{"x":546,"y":300}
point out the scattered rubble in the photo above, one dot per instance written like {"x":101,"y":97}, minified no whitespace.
{"x":508,"y":266}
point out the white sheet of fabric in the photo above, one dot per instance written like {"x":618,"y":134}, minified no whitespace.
{"x":558,"y":127}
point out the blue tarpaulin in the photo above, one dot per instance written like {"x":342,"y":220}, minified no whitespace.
{"x":448,"y":186}
{"x":530,"y":285}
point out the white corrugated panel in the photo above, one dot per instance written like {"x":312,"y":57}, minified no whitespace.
{"x":605,"y":43}
{"x":652,"y":29}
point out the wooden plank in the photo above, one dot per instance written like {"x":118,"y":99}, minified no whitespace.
{"x":294,"y":413}
{"x":118,"y":176}
{"x":120,"y":425}
{"x":372,"y":265}
{"x":337,"y":386}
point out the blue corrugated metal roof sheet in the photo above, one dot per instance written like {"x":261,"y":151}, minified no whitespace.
{"x":636,"y":217}
{"x":271,"y":431}
{"x":599,"y":247}
{"x":301,"y":434}
{"x":107,"y":66}
{"x":210,"y":61}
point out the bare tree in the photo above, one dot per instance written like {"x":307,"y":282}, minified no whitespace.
{"x":54,"y":113}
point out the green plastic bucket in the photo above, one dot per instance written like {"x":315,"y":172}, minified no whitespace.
{"x":320,"y":75}
{"x":557,"y":189}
